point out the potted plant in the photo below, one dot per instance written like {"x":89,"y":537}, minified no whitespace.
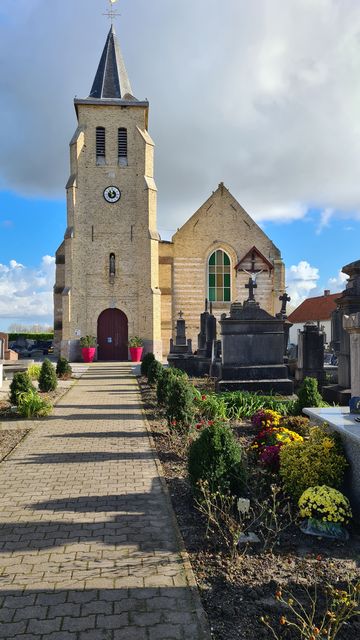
{"x":88,"y":348}
{"x":136,"y":346}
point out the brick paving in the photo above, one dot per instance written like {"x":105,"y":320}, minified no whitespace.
{"x":88,"y":544}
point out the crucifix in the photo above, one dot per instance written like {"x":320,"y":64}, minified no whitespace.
{"x":180,"y":314}
{"x":251,"y":286}
{"x":284,"y":299}
{"x":112,"y":13}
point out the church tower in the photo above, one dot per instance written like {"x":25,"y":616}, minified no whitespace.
{"x":107,"y":266}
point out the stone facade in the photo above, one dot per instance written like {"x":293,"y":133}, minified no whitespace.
{"x":220,"y":223}
{"x":153,"y":279}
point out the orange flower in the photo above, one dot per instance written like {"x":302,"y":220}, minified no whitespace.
{"x":283,"y":620}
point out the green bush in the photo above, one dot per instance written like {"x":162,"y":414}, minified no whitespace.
{"x":216,"y":457}
{"x":30,"y":336}
{"x":63,"y":368}
{"x":20,"y":383}
{"x":31,"y":405}
{"x":47,"y":379}
{"x":212,"y":407}
{"x":155,"y":371}
{"x":164,"y":382}
{"x":180,"y":407}
{"x":146,"y":362}
{"x":243,"y":404}
{"x":34,"y":371}
{"x":299,"y":424}
{"x":316,"y":461}
{"x":308,"y":395}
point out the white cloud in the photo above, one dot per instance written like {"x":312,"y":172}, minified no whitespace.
{"x":26,"y":292}
{"x":301,"y":280}
{"x":338,"y":283}
{"x":269,"y":103}
{"x":325,"y":217}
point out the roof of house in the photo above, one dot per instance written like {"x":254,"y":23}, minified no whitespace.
{"x":319,"y":308}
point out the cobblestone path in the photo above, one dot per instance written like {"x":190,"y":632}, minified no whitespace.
{"x":88,"y":545}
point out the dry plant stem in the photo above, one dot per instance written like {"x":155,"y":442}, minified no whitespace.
{"x":342,"y":605}
{"x":218,"y":509}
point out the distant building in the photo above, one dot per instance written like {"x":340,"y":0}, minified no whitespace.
{"x":319,"y":310}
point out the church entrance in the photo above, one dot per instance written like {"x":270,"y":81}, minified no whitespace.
{"x":112,"y":335}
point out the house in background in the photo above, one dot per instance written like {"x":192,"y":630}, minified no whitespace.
{"x":319,"y":310}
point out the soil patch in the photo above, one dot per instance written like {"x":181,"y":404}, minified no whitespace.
{"x":237,"y":592}
{"x":10,"y":438}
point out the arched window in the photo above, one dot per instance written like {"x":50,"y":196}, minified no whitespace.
{"x":122,"y":146}
{"x":112,"y":267}
{"x":100,"y":145}
{"x":219,"y":277}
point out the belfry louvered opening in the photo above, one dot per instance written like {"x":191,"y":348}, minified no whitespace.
{"x":100,"y":145}
{"x":122,"y":145}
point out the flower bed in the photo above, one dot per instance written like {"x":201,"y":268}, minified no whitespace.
{"x":237,"y":590}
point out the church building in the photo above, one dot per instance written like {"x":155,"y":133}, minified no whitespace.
{"x":115,"y":277}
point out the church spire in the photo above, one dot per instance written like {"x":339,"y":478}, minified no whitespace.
{"x":111,"y":80}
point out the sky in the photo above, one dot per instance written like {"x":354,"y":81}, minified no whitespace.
{"x":262,"y":95}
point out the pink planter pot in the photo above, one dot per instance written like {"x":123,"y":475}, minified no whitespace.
{"x":136,"y":353}
{"x":88,"y":353}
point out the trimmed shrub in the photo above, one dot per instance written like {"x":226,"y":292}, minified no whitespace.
{"x":299,"y":424}
{"x":164,"y":383}
{"x":155,"y":371}
{"x":216,"y":457}
{"x":147,"y":360}
{"x":34,"y":371}
{"x":31,"y":405}
{"x":47,"y":379}
{"x":316,"y":461}
{"x":63,"y":369}
{"x":180,"y":407}
{"x":20,"y":383}
{"x":308,"y":395}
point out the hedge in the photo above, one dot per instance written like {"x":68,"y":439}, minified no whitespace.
{"x":31,"y":336}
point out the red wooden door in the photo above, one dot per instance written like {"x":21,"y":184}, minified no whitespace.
{"x":112,"y":335}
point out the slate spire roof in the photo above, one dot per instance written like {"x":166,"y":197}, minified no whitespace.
{"x":111,"y":80}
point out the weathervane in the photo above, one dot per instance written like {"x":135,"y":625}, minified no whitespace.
{"x":112,"y":13}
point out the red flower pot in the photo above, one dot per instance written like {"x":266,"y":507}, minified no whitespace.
{"x":88,"y":353}
{"x":136,"y":353}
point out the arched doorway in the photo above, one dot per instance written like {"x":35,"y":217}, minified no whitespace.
{"x":112,"y":335}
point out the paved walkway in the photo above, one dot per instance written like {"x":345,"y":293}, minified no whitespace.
{"x":88,"y":545}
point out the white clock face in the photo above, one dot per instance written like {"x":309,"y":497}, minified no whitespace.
{"x":112,"y":194}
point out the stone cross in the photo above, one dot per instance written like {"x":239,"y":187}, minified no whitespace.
{"x":251,"y":286}
{"x":180,"y":314}
{"x":284,"y":299}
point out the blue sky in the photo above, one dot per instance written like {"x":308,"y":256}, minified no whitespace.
{"x":269,"y":105}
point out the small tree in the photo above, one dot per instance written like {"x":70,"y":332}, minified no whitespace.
{"x":308,"y":395}
{"x":147,"y":360}
{"x":63,"y":369}
{"x":47,"y":379}
{"x":216,"y":457}
{"x":180,"y":408}
{"x":155,"y":371}
{"x":21,"y":383}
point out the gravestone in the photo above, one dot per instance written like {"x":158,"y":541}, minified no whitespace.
{"x":284,"y":299}
{"x":352,"y":326}
{"x":347,"y":303}
{"x":252,"y":349}
{"x":181,"y":346}
{"x":310,"y":353}
{"x":198,"y":364}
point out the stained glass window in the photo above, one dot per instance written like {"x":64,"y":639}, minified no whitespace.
{"x":219,"y":282}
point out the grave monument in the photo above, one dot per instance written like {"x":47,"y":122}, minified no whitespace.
{"x":252,"y":349}
{"x":310,"y":353}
